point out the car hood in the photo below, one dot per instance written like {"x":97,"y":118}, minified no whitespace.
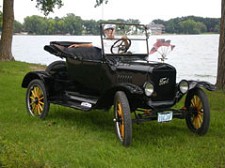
{"x":140,"y":66}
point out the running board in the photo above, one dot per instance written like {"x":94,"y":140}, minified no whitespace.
{"x":79,"y":101}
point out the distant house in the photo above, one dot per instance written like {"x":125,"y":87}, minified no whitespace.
{"x":156,"y":29}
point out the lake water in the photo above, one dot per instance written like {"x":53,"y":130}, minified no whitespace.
{"x":195,"y":56}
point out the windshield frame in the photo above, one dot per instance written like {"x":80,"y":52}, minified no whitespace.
{"x":145,"y":37}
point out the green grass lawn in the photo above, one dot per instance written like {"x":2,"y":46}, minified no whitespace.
{"x":71,"y":138}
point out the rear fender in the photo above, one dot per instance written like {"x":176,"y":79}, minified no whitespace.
{"x":42,"y":75}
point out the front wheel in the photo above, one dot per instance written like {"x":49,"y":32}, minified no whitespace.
{"x":36,"y":99}
{"x":123,"y":122}
{"x":198,"y":117}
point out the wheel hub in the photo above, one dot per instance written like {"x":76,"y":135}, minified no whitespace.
{"x":36,"y":100}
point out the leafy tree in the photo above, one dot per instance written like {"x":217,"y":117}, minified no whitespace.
{"x":99,"y":2}
{"x":90,"y":27}
{"x":59,"y":26}
{"x":192,"y":27}
{"x":187,"y":26}
{"x":35,"y":24}
{"x":51,"y":26}
{"x":217,"y":28}
{"x":73,"y":24}
{"x":47,"y":6}
{"x":18,"y":27}
{"x":173,"y":26}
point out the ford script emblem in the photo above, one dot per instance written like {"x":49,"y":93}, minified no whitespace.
{"x":163,"y":81}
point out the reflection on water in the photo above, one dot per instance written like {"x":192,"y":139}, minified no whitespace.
{"x":195,"y":56}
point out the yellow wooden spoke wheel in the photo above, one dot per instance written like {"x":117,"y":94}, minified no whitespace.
{"x":198,"y":116}
{"x":123,"y":122}
{"x":36,"y":99}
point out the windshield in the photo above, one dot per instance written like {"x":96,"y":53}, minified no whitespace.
{"x":124,"y":39}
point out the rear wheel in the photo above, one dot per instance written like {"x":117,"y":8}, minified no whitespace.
{"x":36,"y":99}
{"x":198,"y":117}
{"x":123,"y":122}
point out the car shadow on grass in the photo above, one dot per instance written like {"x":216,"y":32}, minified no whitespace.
{"x":102,"y":121}
{"x":99,"y":119}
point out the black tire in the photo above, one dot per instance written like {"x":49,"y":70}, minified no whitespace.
{"x":198,"y":117}
{"x":56,"y":66}
{"x":36,"y":99}
{"x":123,"y":122}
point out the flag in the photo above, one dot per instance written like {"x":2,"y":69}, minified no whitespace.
{"x":153,"y":50}
{"x":159,"y":43}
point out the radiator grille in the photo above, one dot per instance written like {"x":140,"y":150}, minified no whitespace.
{"x":164,"y":80}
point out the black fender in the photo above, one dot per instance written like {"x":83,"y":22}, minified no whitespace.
{"x":129,"y":88}
{"x":193,"y":85}
{"x":42,"y":75}
{"x":201,"y":84}
{"x":133,"y":92}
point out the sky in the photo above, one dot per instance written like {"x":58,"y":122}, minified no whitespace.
{"x":143,"y":10}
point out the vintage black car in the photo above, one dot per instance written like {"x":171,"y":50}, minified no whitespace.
{"x":98,"y":78}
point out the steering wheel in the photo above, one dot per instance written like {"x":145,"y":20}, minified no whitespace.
{"x":120,"y":46}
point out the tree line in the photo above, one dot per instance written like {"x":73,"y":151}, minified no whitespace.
{"x":75,"y":25}
{"x":190,"y":25}
{"x":70,"y":24}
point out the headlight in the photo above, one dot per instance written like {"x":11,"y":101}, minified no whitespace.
{"x":183,"y":86}
{"x":149,"y":89}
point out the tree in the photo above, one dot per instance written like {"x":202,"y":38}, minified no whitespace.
{"x":7,"y":31}
{"x":220,"y":83}
{"x":18,"y":27}
{"x":73,"y":24}
{"x":1,"y":18}
{"x":59,"y":25}
{"x":35,"y":24}
{"x":90,"y":27}
{"x":47,"y":6}
{"x":190,"y":26}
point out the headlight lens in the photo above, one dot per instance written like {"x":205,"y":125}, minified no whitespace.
{"x":149,"y":89}
{"x":183,"y":86}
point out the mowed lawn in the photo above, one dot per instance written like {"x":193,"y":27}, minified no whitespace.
{"x":72,"y":138}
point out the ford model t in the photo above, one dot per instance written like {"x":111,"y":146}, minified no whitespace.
{"x":117,"y":73}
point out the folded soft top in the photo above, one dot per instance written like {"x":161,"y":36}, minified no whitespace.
{"x":60,"y":48}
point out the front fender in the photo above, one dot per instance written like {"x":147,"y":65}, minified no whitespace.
{"x":130,"y":88}
{"x":201,"y":84}
{"x":42,"y":75}
{"x":195,"y":84}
